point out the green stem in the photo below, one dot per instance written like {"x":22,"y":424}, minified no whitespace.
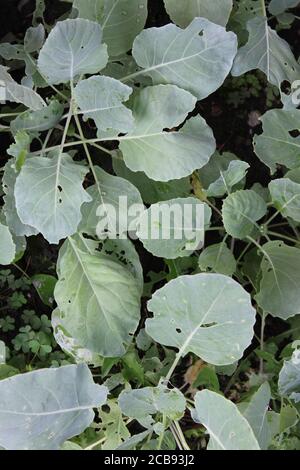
{"x":263,"y":7}
{"x":162,"y":434}
{"x":262,"y":335}
{"x":21,"y":270}
{"x":181,"y":436}
{"x":284,"y":237}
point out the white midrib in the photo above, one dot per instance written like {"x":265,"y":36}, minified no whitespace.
{"x":48,"y":413}
{"x":190,"y":337}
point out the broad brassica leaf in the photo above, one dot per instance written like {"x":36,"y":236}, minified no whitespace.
{"x":7,"y":246}
{"x":166,"y":155}
{"x":174,"y":229}
{"x":286,"y":197}
{"x":227,"y":427}
{"x":241,"y":212}
{"x":40,"y":410}
{"x":101,"y":99}
{"x":73,"y":48}
{"x":98,"y":299}
{"x":183,"y":57}
{"x":52,"y":206}
{"x":256,"y":413}
{"x":207,"y":314}
{"x":277,"y":144}
{"x":121,"y":20}
{"x":143,"y":403}
{"x":182,"y":13}
{"x":219,"y":259}
{"x":19,"y":93}
{"x":279,"y":288}
{"x":289,"y":378}
{"x":265,"y":50}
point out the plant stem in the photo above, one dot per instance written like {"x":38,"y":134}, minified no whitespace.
{"x":262,"y":335}
{"x":162,"y":435}
{"x":21,"y":270}
{"x":181,"y":436}
{"x":284,"y":237}
{"x":263,"y":7}
{"x":88,"y":155}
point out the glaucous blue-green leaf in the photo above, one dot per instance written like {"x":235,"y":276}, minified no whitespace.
{"x":12,"y":218}
{"x":164,"y":155}
{"x":279,"y":288}
{"x":98,"y":299}
{"x":121,"y":20}
{"x":150,"y":190}
{"x":2,"y":352}
{"x":277,"y":144}
{"x":113,"y":426}
{"x":276,"y":7}
{"x":268,"y":52}
{"x":73,"y":48}
{"x":197,"y":58}
{"x":256,"y":413}
{"x":70,"y":345}
{"x":101,"y":99}
{"x":38,"y":121}
{"x":106,"y":205}
{"x":44,"y":285}
{"x":243,"y":11}
{"x":235,"y":173}
{"x":132,"y":441}
{"x":40,"y":410}
{"x":142,"y":403}
{"x":174,"y":229}
{"x":218,"y":259}
{"x":227,"y":427}
{"x":182,"y":13}
{"x":18,"y":93}
{"x":286,"y":197}
{"x":289,"y":378}
{"x":217,"y":165}
{"x":209,"y":315}
{"x":49,"y":195}
{"x":34,"y":39}
{"x":20,"y":148}
{"x":241,"y":211}
{"x":7,"y":246}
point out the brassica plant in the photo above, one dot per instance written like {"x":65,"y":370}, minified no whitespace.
{"x":169,"y":329}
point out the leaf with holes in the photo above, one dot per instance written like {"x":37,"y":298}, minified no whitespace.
{"x":209,"y":315}
{"x":110,"y":207}
{"x":101,"y":99}
{"x":121,"y":20}
{"x":174,"y":229}
{"x":218,"y":259}
{"x":73,"y":48}
{"x":161,"y":154}
{"x":98,"y":299}
{"x":52,"y":206}
{"x":268,"y":52}
{"x":197,"y":58}
{"x":280,"y":141}
{"x":142,"y":404}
